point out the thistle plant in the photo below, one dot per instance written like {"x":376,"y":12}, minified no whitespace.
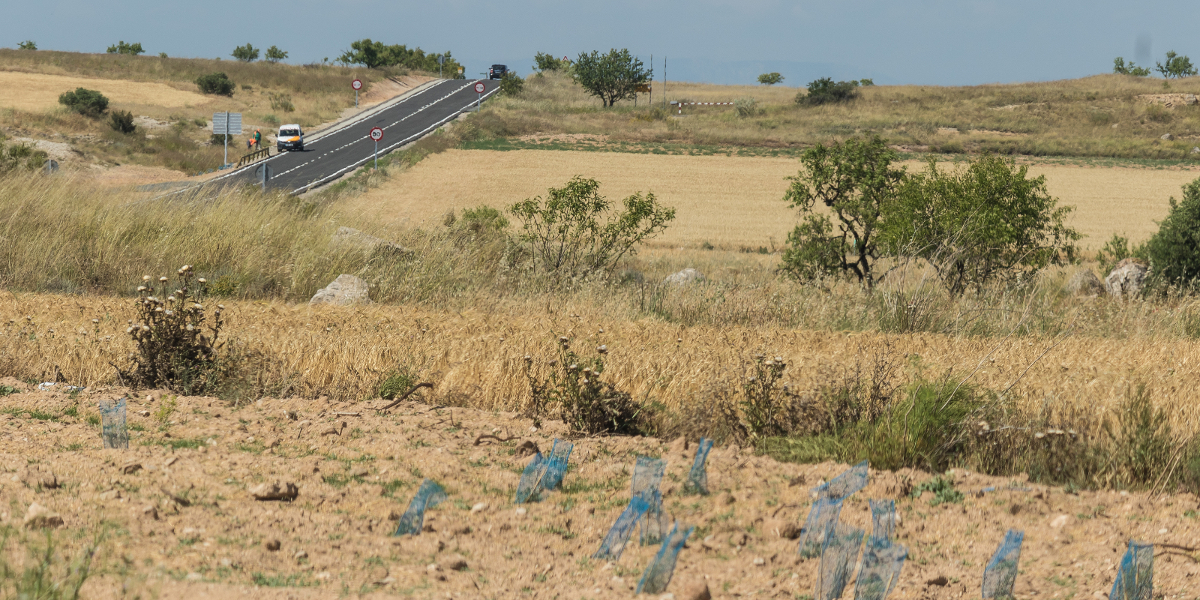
{"x":586,"y":404}
{"x":173,"y":351}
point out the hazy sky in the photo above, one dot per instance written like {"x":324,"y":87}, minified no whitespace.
{"x":722,"y":41}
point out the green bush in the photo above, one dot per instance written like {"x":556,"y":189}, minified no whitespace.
{"x":21,"y":156}
{"x":942,"y":489}
{"x":565,"y":237}
{"x":770,"y":78}
{"x":122,"y":121}
{"x":88,"y":103}
{"x":247,"y":53}
{"x":121,"y":47}
{"x":827,"y":91}
{"x":395,"y":383}
{"x":274,"y":54}
{"x":481,"y":220}
{"x":586,"y":404}
{"x":856,"y":180}
{"x":746,"y":107}
{"x":543,"y":62}
{"x":27,"y":45}
{"x":172,"y":349}
{"x":1120,"y":68}
{"x":215,"y":83}
{"x":1176,"y":66}
{"x":1114,"y":251}
{"x":374,"y":55}
{"x":511,"y":84}
{"x":986,"y":222}
{"x":1174,"y":250}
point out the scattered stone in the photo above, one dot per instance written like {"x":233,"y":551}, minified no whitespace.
{"x":194,"y":576}
{"x":144,"y":413}
{"x":272,"y":545}
{"x":1195,"y":149}
{"x":1059,"y":521}
{"x":360,"y":472}
{"x":346,"y":290}
{"x":726,"y":499}
{"x":1126,"y":279}
{"x":684,"y":277}
{"x":791,"y":531}
{"x":480,"y":507}
{"x":131,"y":467}
{"x":150,"y":511}
{"x":456,"y":563}
{"x":110,"y":495}
{"x":301,"y":555}
{"x":1191,"y":100}
{"x":527,"y":448}
{"x":170,"y":461}
{"x":462,"y":530}
{"x":36,"y":476}
{"x":1166,"y":137}
{"x":323,"y":575}
{"x":759,"y":561}
{"x":353,"y":239}
{"x":275,"y":491}
{"x":1084,"y":283}
{"x":433,"y":567}
{"x":737,"y":539}
{"x":40,"y":517}
{"x":694,"y":590}
{"x":520,"y":512}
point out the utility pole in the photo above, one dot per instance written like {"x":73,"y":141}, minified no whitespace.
{"x":664,"y":82}
{"x":651,"y":102}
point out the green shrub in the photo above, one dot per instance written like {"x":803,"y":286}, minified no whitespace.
{"x":746,"y":107}
{"x":247,"y":53}
{"x":281,"y":101}
{"x":1174,"y":250}
{"x":1176,"y":66}
{"x":215,"y":83}
{"x":122,"y":121}
{"x":586,"y":404}
{"x":274,"y":54}
{"x":20,"y":155}
{"x":481,"y":220}
{"x":172,"y":349}
{"x":543,"y":62}
{"x":88,"y":103}
{"x":1120,"y":68}
{"x":826,"y":91}
{"x":1140,"y":437}
{"x":44,"y":575}
{"x":942,"y":489}
{"x":565,"y":237}
{"x":1114,"y":251}
{"x":27,"y":45}
{"x":395,"y":383}
{"x":375,"y":55}
{"x":121,"y":47}
{"x":770,"y":78}
{"x":511,"y":84}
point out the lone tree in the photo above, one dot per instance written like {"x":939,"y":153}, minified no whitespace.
{"x":247,"y":53}
{"x":855,"y":180}
{"x":611,"y":77}
{"x":274,"y":54}
{"x":1177,"y":66}
{"x":770,"y":78}
{"x":27,"y":45}
{"x":989,"y":221}
{"x":121,"y":47}
{"x":828,"y":91}
{"x":1174,"y":251}
{"x":543,"y":62}
{"x":1120,"y":68}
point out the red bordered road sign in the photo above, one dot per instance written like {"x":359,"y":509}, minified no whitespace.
{"x":356,"y":84}
{"x":480,"y":88}
{"x":376,"y":133}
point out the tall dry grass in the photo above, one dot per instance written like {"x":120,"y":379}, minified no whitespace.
{"x":1098,"y":116}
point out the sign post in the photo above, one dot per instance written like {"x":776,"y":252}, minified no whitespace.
{"x":441,"y":61}
{"x":357,"y":85}
{"x":376,"y":134}
{"x":479,"y":89}
{"x":264,"y":173}
{"x":227,"y":124}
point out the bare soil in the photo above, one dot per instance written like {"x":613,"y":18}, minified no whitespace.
{"x":181,"y":522}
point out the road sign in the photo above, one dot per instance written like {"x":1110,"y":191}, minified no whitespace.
{"x":51,"y":166}
{"x":479,"y":87}
{"x":376,"y":133}
{"x":356,"y":84}
{"x":227,"y":123}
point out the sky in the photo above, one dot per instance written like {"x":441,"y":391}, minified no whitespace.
{"x":925,"y":42}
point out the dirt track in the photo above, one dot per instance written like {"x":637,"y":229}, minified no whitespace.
{"x":356,"y":475}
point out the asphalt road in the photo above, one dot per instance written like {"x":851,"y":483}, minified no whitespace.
{"x":347,"y":146}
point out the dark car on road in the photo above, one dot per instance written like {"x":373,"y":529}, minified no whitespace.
{"x":497,"y":72}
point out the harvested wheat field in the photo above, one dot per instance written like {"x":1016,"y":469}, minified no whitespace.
{"x":181,"y":516}
{"x":37,"y":92}
{"x":730,"y":201}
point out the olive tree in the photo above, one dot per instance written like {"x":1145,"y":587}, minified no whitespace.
{"x":856,"y":181}
{"x":565,"y":236}
{"x":611,"y":77}
{"x":989,"y":221}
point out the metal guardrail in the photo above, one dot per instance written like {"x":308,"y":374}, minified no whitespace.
{"x":254,"y":157}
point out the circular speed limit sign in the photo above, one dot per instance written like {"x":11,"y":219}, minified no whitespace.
{"x":356,"y":84}
{"x":376,"y":133}
{"x":479,"y":88}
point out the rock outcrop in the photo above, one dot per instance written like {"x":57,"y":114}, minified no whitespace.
{"x":346,"y":290}
{"x":1126,"y":279}
{"x":684,"y":277}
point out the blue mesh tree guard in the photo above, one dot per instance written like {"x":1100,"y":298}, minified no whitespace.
{"x":556,"y":465}
{"x":614,"y":543}
{"x":1135,"y":579}
{"x":837,"y":561}
{"x":818,"y":526}
{"x":1001,"y":572}
{"x":112,"y":422}
{"x":697,"y":481}
{"x":529,"y":489}
{"x":428,"y":495}
{"x":840,"y":487}
{"x":883,"y":519}
{"x":881,"y":564}
{"x":647,"y":476}
{"x":658,"y":574}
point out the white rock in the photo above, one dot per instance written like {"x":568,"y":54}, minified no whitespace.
{"x":40,"y":517}
{"x":482,"y":506}
{"x":684,"y":277}
{"x":346,"y":290}
{"x":1059,"y":521}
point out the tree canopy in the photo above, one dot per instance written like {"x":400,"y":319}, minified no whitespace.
{"x":374,"y":55}
{"x":611,"y":77}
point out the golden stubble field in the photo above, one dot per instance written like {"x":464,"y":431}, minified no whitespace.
{"x":35,"y":92}
{"x":729,"y":201}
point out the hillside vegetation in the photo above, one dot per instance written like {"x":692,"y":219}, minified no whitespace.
{"x":1111,"y":116}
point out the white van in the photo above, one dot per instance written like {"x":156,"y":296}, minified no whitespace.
{"x":290,"y":137}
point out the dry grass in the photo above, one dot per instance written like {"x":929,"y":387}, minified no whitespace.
{"x":1100,"y":116}
{"x":39,"y":92}
{"x":728,"y":202}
